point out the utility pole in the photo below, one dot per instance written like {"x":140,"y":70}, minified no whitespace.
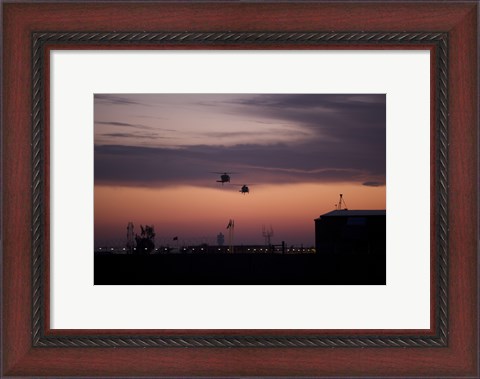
{"x":231,"y":228}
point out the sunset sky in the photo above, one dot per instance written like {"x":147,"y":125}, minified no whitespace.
{"x":155,"y":154}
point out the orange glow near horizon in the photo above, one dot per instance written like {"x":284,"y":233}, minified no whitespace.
{"x":200,"y":213}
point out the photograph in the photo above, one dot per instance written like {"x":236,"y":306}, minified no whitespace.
{"x":261,"y":188}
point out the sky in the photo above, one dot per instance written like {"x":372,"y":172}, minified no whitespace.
{"x":156,"y":157}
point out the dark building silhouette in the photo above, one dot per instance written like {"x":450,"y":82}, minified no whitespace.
{"x":351,"y":232}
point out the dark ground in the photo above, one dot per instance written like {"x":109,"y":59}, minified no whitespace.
{"x":348,"y":269}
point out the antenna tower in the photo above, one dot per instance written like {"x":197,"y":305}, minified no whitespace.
{"x":130,"y":244}
{"x":267,"y":234}
{"x":341,"y":204}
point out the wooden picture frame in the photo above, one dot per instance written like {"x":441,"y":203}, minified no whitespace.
{"x":448,"y":348}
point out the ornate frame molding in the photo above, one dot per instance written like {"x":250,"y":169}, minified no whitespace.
{"x":315,"y":39}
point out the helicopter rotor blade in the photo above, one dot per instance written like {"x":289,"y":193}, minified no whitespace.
{"x":223,"y":172}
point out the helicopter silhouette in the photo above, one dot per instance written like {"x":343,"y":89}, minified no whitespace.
{"x":243,"y":188}
{"x":224,"y":176}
